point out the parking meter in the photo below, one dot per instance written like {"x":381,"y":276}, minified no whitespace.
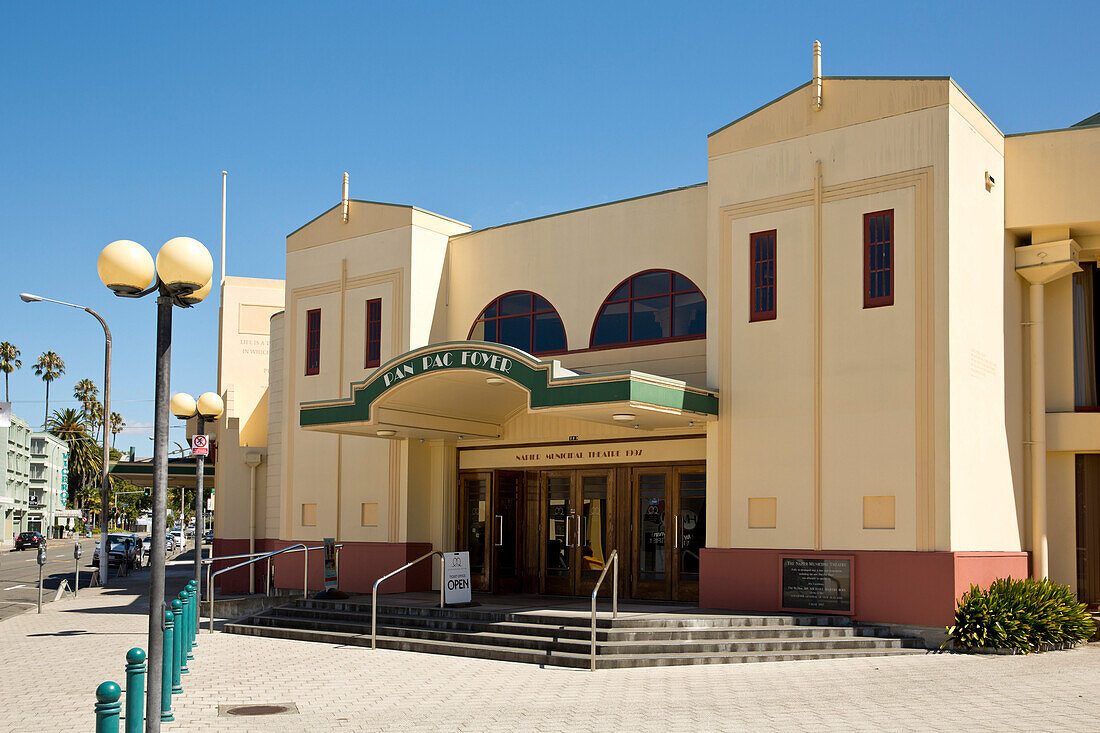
{"x":41,"y":562}
{"x":77,"y":552}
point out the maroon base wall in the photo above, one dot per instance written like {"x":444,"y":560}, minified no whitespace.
{"x":888,"y":587}
{"x":361,"y":563}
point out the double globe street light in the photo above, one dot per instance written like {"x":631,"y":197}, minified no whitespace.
{"x":207,"y":407}
{"x":181,"y":276}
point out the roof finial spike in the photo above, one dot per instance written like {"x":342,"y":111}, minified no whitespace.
{"x":345,"y":197}
{"x":817,"y":76}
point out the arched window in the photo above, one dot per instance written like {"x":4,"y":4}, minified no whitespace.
{"x":651,"y":306}
{"x":521,"y":319}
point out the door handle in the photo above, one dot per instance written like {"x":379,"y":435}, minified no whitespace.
{"x":500,"y":530}
{"x":567,"y":518}
{"x":675,"y":531}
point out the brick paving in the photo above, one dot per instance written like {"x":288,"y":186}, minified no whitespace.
{"x":52,"y":663}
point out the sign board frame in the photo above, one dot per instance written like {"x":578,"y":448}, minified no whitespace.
{"x":848,"y":593}
{"x":456,"y":578}
{"x":332,"y":572}
{"x":200,"y":445}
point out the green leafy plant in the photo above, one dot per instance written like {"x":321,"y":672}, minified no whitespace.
{"x":1023,"y":615}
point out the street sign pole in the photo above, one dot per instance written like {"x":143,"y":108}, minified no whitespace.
{"x":41,"y":564}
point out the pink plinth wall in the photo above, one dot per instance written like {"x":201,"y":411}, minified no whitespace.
{"x":889,"y":587}
{"x":361,"y":563}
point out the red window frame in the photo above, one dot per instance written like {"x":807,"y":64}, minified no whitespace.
{"x":313,"y":342}
{"x":630,"y":341}
{"x":878,"y":258}
{"x":762,"y":275}
{"x":531,"y":312}
{"x":373,"y":354}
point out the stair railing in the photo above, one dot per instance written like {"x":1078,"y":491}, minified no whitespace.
{"x":612,"y":560}
{"x":256,"y":557}
{"x":403,"y":568}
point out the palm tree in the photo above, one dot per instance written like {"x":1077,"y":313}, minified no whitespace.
{"x":49,"y":366}
{"x":9,"y":362}
{"x":95,"y":418}
{"x":116,"y":426}
{"x":85,"y":391}
{"x":85,"y":459}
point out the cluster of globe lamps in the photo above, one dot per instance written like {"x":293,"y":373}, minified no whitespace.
{"x":181,"y":276}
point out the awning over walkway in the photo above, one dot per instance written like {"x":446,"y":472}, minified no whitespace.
{"x":472,"y":388}
{"x":181,"y":472}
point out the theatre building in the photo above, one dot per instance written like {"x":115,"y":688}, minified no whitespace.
{"x":861,"y":355}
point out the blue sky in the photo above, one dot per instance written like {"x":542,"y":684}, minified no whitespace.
{"x":117,"y":119}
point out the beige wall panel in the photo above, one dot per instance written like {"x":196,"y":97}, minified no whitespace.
{"x":365,"y":218}
{"x":1015,"y":295}
{"x":1062,"y":517}
{"x":418,"y":518}
{"x":1058,"y":337}
{"x":868,"y":380}
{"x":428,"y":254}
{"x":355,"y":329}
{"x":1050,"y":179}
{"x":364,"y":478}
{"x":983,"y":504}
{"x":574,"y":260}
{"x":772,"y":385}
{"x":275,"y":467}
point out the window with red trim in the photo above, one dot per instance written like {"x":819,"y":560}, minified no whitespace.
{"x":878,"y":259}
{"x":313,"y":342}
{"x":651,"y":306}
{"x":762,"y":276}
{"x":374,"y":332}
{"x":521,"y":319}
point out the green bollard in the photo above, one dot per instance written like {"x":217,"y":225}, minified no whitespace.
{"x":168,"y":662}
{"x":194,"y":613}
{"x":107,"y":707}
{"x":135,"y":690}
{"x":181,"y":658}
{"x":185,"y":624}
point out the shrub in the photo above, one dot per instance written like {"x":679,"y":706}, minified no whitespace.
{"x":1019,"y":614}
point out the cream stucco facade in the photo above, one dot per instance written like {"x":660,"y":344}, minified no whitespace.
{"x":899,"y":436}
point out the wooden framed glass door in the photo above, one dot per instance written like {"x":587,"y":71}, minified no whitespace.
{"x":506,"y":550}
{"x":577,"y":529}
{"x":669,"y":531}
{"x":473,"y":524}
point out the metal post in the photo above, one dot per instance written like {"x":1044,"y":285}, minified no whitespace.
{"x":183,"y":624}
{"x":104,"y":480}
{"x":135,"y":689}
{"x":165,"y":697}
{"x":210,"y":593}
{"x":615,"y":588}
{"x":267,"y":581}
{"x":178,"y":656}
{"x":158,"y":652}
{"x":40,"y":566}
{"x":199,"y":462}
{"x":107,"y":707}
{"x":76,"y":574}
{"x":442,"y":577}
{"x":305,"y":577}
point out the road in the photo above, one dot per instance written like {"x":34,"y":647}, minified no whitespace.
{"x":19,"y":574}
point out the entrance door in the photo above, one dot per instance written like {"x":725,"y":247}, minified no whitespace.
{"x":669,"y":531}
{"x":577,"y":529}
{"x":490,"y":528}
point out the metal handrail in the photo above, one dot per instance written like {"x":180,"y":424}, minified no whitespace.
{"x":257,"y":557}
{"x":612,"y":559}
{"x":403,"y":568}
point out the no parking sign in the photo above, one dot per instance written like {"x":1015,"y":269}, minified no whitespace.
{"x":199,"y":445}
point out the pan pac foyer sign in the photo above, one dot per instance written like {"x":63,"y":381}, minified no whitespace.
{"x":459,"y":359}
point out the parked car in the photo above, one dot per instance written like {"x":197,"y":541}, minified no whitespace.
{"x":124,"y":547}
{"x":208,"y":536}
{"x":170,"y":542}
{"x":29,"y":539}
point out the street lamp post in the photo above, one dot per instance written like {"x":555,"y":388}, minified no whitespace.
{"x":208,"y":407}
{"x":104,"y":485}
{"x":181,"y":276}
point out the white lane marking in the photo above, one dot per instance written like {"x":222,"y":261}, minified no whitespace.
{"x":15,"y":586}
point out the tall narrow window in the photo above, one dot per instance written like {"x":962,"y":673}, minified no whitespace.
{"x":762,"y":276}
{"x":374,"y":332}
{"x":878,"y":259}
{"x":313,"y":342}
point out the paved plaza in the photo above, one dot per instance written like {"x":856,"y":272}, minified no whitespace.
{"x":56,"y":659}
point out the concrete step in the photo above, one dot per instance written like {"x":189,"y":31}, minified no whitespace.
{"x":556,"y":658}
{"x":581,"y":646}
{"x":361,"y":621}
{"x":561,"y":617}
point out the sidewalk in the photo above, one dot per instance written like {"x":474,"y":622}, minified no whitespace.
{"x":76,"y":644}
